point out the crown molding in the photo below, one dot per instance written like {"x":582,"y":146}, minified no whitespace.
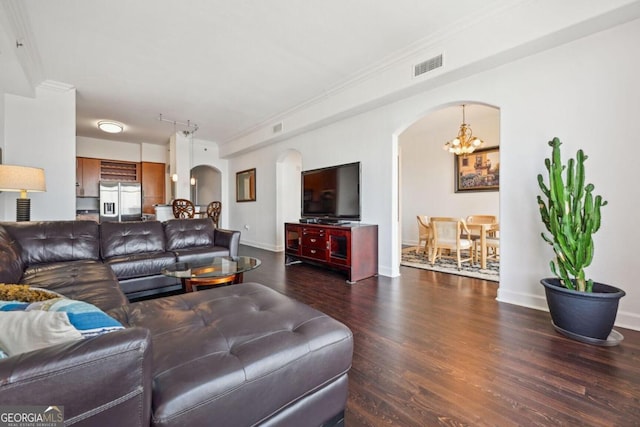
{"x":55,"y":86}
{"x":432,"y":45}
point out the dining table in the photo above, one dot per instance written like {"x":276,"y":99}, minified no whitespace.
{"x":483,"y":228}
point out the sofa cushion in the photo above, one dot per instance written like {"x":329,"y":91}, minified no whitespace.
{"x":90,"y":281}
{"x":139,"y":265}
{"x":11,"y":265}
{"x":216,"y":350}
{"x":188,"y":233}
{"x":201,"y":253}
{"x":128,"y":238}
{"x":56,"y":241}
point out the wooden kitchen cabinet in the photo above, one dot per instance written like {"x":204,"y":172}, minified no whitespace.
{"x":87,"y":177}
{"x":153,"y":185}
{"x":115,"y":170}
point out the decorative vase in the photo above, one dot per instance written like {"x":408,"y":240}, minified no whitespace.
{"x":584,"y":316}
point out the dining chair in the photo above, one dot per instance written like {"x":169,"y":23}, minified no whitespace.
{"x":480,"y":219}
{"x":476,"y":224}
{"x":213,"y":211}
{"x":183,"y":208}
{"x":447,"y":235}
{"x":493,"y":245}
{"x":424,"y":235}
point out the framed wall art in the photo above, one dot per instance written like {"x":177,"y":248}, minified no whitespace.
{"x":478,"y":171}
{"x":246,"y":185}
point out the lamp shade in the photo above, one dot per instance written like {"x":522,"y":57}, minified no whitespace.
{"x":21,"y":178}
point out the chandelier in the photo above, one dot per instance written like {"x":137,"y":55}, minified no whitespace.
{"x":465,"y":143}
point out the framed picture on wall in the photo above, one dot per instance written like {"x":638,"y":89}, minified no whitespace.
{"x":478,"y":171}
{"x":246,"y":185}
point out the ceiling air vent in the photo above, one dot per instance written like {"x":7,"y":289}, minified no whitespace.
{"x":277,"y":128}
{"x":428,"y":65}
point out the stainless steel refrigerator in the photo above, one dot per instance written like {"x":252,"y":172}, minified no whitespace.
{"x":120,"y":201}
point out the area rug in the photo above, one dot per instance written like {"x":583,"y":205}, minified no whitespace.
{"x":446,"y":265}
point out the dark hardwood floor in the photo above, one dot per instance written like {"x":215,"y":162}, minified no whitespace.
{"x":434,"y":349}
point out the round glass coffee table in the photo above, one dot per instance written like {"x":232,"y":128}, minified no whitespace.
{"x":211,"y":272}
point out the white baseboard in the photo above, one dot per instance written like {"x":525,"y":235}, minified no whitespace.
{"x":272,"y":248}
{"x":624,"y":319}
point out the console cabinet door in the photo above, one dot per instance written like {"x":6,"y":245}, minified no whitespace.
{"x":293,"y":239}
{"x":339,"y":247}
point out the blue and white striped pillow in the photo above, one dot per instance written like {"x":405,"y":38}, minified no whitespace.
{"x":88,"y":319}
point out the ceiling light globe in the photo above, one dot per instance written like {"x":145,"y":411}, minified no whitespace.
{"x":110,"y":127}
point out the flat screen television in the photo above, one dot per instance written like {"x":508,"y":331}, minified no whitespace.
{"x":332,"y":194}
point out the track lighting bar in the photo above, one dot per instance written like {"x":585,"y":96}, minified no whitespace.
{"x":188,"y":124}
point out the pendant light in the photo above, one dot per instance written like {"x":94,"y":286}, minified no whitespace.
{"x":465,"y":143}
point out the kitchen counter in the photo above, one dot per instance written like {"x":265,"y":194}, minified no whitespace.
{"x":88,"y":214}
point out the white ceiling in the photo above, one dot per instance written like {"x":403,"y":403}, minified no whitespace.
{"x":226,"y":65}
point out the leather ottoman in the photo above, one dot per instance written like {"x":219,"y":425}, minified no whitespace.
{"x":243,"y":355}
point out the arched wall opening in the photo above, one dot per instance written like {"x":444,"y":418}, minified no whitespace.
{"x":288,"y":168}
{"x":206,"y":185}
{"x":426,"y":172}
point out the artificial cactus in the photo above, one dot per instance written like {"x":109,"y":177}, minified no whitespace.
{"x":571,"y":215}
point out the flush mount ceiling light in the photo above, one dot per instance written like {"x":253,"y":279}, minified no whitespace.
{"x":110,"y":127}
{"x":465,"y":143}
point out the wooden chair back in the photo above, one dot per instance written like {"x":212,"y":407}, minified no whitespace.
{"x":448,"y":230}
{"x":481,"y":219}
{"x":424,"y":233}
{"x":213,"y":211}
{"x":447,"y":235}
{"x":183,"y":208}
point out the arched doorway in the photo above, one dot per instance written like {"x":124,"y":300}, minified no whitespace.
{"x":288,"y":168}
{"x":206,"y":185}
{"x":426,"y":177}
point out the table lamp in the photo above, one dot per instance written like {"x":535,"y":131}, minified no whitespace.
{"x":22,"y":179}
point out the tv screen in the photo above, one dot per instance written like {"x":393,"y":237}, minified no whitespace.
{"x":332,"y":193}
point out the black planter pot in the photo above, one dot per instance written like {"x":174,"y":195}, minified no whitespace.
{"x":584,"y":316}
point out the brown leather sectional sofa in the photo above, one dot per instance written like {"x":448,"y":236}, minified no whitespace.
{"x":239,"y":355}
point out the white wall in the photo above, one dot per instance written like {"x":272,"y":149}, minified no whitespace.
{"x":154,"y":153}
{"x":121,"y":150}
{"x":427,"y":171}
{"x":106,"y":149}
{"x":40,"y":132}
{"x":584,"y":92}
{"x":255,"y":219}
